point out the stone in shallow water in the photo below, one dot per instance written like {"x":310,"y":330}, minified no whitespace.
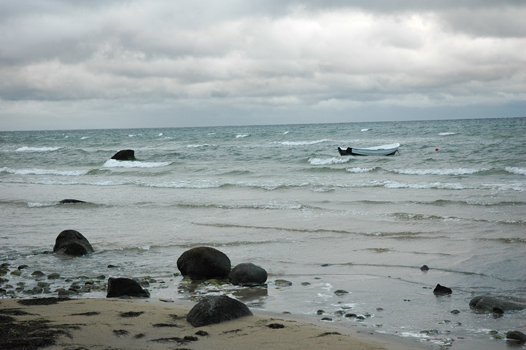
{"x":216,"y":309}
{"x":118,"y":287}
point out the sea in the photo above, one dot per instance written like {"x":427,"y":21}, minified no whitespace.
{"x":343,"y":238}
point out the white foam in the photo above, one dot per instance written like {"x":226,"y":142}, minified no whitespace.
{"x":363,"y":130}
{"x":459,"y":171}
{"x":514,"y":170}
{"x":37,"y":149}
{"x":302,"y":143}
{"x":44,"y":172}
{"x":241,"y":136}
{"x":328,"y":161}
{"x":285,"y":133}
{"x":447,"y":133}
{"x":113,"y":163}
{"x":84,"y":137}
{"x":197,"y":146}
{"x":359,"y":170}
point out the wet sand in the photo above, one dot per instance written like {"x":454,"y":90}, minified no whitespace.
{"x":141,"y":324}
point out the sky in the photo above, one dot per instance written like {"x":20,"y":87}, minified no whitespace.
{"x":69,"y":64}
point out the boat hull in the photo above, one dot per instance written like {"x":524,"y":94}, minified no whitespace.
{"x":384,"y":150}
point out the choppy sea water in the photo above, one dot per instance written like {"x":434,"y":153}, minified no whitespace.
{"x":282,"y":198}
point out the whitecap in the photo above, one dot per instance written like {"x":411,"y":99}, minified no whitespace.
{"x":359,"y":170}
{"x":328,"y":161}
{"x":363,"y":130}
{"x":160,"y":134}
{"x":113,"y":163}
{"x":447,"y":133}
{"x":44,"y":172}
{"x":302,"y":143}
{"x":514,"y":170}
{"x":241,"y":136}
{"x":459,"y":171}
{"x":84,"y":137}
{"x":197,"y":146}
{"x":285,"y":133}
{"x":37,"y":149}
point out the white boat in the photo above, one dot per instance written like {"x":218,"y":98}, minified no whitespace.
{"x":384,"y":150}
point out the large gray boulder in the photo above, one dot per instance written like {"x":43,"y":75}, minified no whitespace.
{"x":118,"y":287}
{"x":71,"y":242}
{"x":248,"y":274}
{"x":216,"y":309}
{"x":204,"y":263}
{"x":491,"y":304}
{"x":125,"y":154}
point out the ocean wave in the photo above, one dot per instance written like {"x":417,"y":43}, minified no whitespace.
{"x":198,"y":146}
{"x":113,"y":163}
{"x":44,"y":172}
{"x":302,"y":143}
{"x":359,"y":170}
{"x":241,"y":136}
{"x":517,"y":171}
{"x":184,"y":184}
{"x":459,"y":171}
{"x":447,"y":133}
{"x":37,"y":149}
{"x":328,"y":161}
{"x":365,"y":129}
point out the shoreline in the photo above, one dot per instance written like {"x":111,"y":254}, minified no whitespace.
{"x":139,"y":324}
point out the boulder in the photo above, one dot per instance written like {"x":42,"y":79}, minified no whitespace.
{"x":71,"y":201}
{"x":125,"y":154}
{"x":442,"y":290}
{"x":204,"y":263}
{"x":248,"y":274}
{"x":491,"y":304}
{"x":516,"y":336}
{"x":118,"y":287}
{"x":216,"y":309}
{"x":71,"y":242}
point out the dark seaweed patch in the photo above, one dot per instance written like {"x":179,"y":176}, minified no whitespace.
{"x":29,"y":335}
{"x":90,"y":313}
{"x":41,"y":301}
{"x":131,"y":314}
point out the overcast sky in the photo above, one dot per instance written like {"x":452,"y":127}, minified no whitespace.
{"x":69,"y":64}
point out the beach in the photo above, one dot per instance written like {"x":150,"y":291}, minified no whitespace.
{"x":338,"y":235}
{"x":145,"y":324}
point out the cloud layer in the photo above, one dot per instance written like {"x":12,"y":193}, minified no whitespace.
{"x":160,"y":63}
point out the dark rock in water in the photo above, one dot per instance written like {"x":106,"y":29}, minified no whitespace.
{"x":283,"y":283}
{"x":118,"y":287}
{"x":71,"y":201}
{"x":248,"y":274}
{"x":441,"y":290}
{"x":341,"y":292}
{"x":490,"y":304}
{"x":204,"y":263}
{"x":424,"y":268}
{"x":216,"y":309}
{"x":126,"y":154}
{"x":516,"y":336}
{"x":71,"y":242}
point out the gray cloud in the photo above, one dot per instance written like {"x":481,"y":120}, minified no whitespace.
{"x":249,"y":59}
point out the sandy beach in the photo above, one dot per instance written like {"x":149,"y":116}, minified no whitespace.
{"x":139,"y":324}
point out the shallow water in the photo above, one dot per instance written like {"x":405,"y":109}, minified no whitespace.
{"x":282,"y":198}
